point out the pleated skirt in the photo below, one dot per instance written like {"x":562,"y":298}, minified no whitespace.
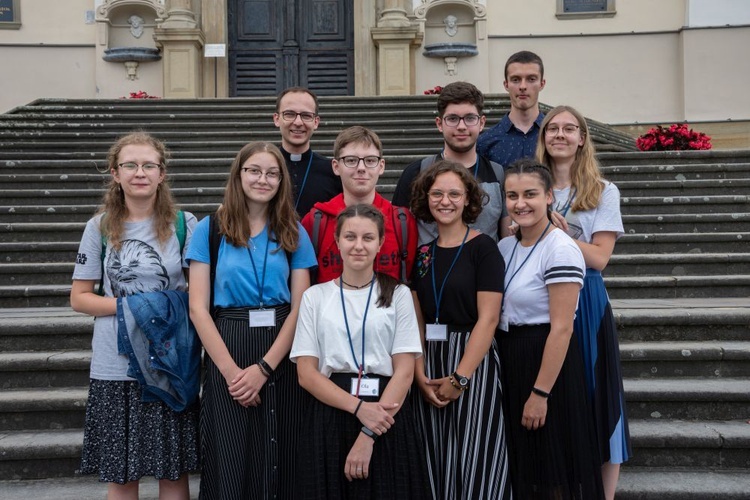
{"x":397,"y":466}
{"x":596,"y":331}
{"x":465,"y":441}
{"x":249,"y":452}
{"x":559,"y":461}
{"x":125,"y":439}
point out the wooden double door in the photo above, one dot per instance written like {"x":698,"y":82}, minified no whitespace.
{"x":275,"y":44}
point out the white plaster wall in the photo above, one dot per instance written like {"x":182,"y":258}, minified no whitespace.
{"x":52,"y":22}
{"x":718,"y":12}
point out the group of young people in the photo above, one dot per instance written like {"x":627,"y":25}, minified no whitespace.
{"x":437,"y":346}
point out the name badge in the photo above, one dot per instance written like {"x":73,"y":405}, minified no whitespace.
{"x":436,"y":332}
{"x":263,"y":317}
{"x":367,"y":386}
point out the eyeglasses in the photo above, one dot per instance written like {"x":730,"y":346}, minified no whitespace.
{"x":469,"y":120}
{"x":272,"y":176}
{"x":290,"y":116}
{"x":132,"y":167}
{"x":568,"y":129}
{"x":353,"y":161}
{"x":437,"y":195}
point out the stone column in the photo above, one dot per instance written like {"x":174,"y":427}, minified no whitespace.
{"x":181,"y":43}
{"x":396,"y":39}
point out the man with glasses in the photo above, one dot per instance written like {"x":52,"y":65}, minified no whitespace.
{"x":297,"y":118}
{"x":460,"y":120}
{"x":358,"y":161}
{"x":516,"y":134}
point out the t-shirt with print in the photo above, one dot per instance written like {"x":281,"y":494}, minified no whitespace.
{"x":141,"y":265}
{"x":583,"y":224}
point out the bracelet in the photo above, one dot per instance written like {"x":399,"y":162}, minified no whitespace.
{"x":367,"y":432}
{"x":453,"y":383}
{"x":357,"y":408}
{"x":540,"y":392}
{"x":265,"y":368}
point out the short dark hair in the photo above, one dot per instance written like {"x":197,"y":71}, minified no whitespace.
{"x":475,"y":195}
{"x":524,"y":57}
{"x":459,"y":93}
{"x":293,"y":90}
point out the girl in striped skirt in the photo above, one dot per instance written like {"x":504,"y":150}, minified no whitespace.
{"x":251,"y":401}
{"x":355,"y":345}
{"x":457,"y":290}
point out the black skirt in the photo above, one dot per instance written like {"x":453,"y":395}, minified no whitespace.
{"x":560,"y":460}
{"x":397,"y":466}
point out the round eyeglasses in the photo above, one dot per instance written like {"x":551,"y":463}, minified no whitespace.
{"x":568,"y":129}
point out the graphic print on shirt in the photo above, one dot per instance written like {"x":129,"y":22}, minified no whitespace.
{"x":575,"y":230}
{"x":136,"y":268}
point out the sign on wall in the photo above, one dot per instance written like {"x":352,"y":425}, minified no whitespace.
{"x":10,"y":14}
{"x":584,"y":5}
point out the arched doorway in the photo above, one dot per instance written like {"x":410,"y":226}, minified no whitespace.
{"x":275,"y":44}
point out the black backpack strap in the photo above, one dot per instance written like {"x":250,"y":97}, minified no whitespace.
{"x":317,"y":215}
{"x":403,"y":241}
{"x":214,"y":240}
{"x":427,"y":161}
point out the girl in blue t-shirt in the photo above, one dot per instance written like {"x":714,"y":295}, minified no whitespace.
{"x":251,"y":400}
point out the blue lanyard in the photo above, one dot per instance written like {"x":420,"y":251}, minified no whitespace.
{"x":510,"y":260}
{"x":361,"y":367}
{"x":476,"y":165}
{"x":566,"y":207}
{"x":304,"y":180}
{"x":261,"y":283}
{"x":439,"y":296}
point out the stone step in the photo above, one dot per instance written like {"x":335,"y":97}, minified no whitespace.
{"x":42,"y":409}
{"x":76,"y":213}
{"x":37,"y":273}
{"x":705,"y":359}
{"x":731,"y":242}
{"x":40,"y":454}
{"x":707,"y":445}
{"x":665,"y":158}
{"x":44,"y":369}
{"x":668,"y":483}
{"x":654,"y":320}
{"x":677,"y":264}
{"x":80,"y":488}
{"x":687,"y":398}
{"x":674,"y":188}
{"x":672,"y":287}
{"x":685,"y":204}
{"x":34,"y":296}
{"x":44,"y":329}
{"x":687,"y":223}
{"x":666,"y":171}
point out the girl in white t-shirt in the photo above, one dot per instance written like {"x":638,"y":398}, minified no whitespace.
{"x":551,"y":440}
{"x":355,"y":345}
{"x":588,"y":208}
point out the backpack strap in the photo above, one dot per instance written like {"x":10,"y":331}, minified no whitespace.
{"x":104,"y":253}
{"x":180,"y":229}
{"x":499,"y":172}
{"x":317,"y":215}
{"x":427,"y":161}
{"x":403,"y":241}
{"x":214,"y":240}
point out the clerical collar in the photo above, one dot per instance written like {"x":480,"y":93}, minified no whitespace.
{"x":295,"y":156}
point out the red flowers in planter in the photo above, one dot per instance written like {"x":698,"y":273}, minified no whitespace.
{"x":434,"y":91}
{"x":678,"y":137}
{"x":141,"y":94}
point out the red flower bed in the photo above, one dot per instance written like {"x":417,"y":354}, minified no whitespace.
{"x":434,"y":91}
{"x":141,"y":94}
{"x":678,"y":137}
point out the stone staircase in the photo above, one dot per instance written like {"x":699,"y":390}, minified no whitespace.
{"x":679,"y":279}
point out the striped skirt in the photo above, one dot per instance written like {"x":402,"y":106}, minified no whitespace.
{"x":249,"y":452}
{"x":465,"y":441}
{"x":596,"y":331}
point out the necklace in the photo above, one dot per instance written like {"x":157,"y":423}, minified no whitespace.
{"x":341,"y":278}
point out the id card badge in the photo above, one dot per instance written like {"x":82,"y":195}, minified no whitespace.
{"x":436,"y":332}
{"x":367,"y":386}
{"x":263,"y":317}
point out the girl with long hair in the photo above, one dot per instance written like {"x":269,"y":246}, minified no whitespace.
{"x":251,"y":401}
{"x":587,"y":207}
{"x":355,"y":345}
{"x":132,"y":247}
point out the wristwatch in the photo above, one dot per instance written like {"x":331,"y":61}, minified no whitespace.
{"x":463,"y":382}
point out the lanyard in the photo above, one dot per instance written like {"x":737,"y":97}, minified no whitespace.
{"x":260,"y":282}
{"x":439,"y":296}
{"x":571,"y":197}
{"x":304,"y":180}
{"x":476,"y":165}
{"x":510,"y":261}
{"x":361,"y":367}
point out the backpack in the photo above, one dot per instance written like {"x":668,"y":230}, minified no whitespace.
{"x":214,"y":241}
{"x":180,"y":232}
{"x":402,"y":239}
{"x":496,"y":167}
